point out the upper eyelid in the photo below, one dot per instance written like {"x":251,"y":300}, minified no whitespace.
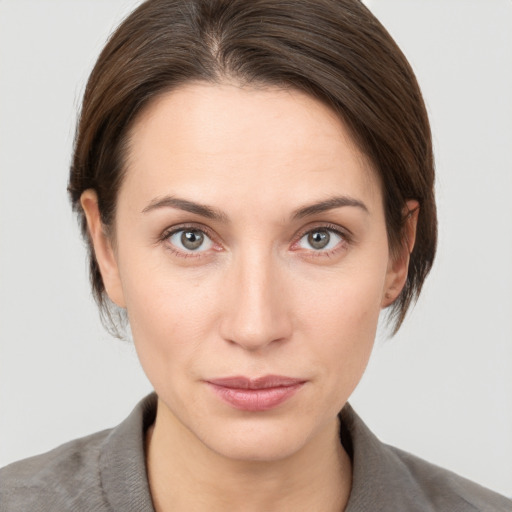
{"x":343,"y":232}
{"x":183,"y":227}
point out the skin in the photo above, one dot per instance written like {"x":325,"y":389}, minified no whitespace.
{"x":256,"y":298}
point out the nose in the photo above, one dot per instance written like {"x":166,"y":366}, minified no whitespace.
{"x":256,"y":312}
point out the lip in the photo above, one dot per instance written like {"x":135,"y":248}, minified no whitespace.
{"x":260,"y":394}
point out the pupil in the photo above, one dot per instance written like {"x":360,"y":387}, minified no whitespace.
{"x":192,"y":239}
{"x":319,"y":239}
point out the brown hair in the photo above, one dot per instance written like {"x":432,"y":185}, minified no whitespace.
{"x":333,"y":50}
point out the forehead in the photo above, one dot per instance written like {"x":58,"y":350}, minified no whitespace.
{"x":226,"y":141}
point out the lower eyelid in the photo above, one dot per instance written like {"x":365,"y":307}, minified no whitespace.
{"x":183,"y":253}
{"x":338,"y":250}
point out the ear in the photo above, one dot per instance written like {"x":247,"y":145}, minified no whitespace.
{"x":103,"y":250}
{"x":399,"y":263}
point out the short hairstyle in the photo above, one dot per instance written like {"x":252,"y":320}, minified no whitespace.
{"x":333,"y":50}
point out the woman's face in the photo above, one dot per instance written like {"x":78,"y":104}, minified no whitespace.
{"x":250,"y":241}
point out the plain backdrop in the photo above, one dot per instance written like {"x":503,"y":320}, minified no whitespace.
{"x":442,"y":388}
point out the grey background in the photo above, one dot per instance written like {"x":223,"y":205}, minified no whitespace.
{"x":442,"y":388}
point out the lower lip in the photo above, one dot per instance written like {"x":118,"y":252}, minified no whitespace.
{"x":255,"y":399}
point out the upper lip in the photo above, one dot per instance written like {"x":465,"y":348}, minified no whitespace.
{"x":265,"y":382}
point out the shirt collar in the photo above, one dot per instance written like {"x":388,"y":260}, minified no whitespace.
{"x":122,"y":462}
{"x":378,"y":477}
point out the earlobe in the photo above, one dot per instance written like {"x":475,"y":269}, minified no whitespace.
{"x":399,"y":263}
{"x":103,"y":249}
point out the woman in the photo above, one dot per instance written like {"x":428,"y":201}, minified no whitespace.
{"x":255,"y":182}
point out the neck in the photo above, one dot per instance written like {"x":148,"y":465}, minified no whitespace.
{"x":185,"y":475}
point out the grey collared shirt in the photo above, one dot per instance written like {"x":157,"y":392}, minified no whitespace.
{"x":106,"y":472}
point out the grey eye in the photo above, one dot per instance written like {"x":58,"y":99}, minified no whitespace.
{"x":190,"y":240}
{"x":319,"y":239}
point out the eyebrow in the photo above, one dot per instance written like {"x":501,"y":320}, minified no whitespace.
{"x":214,"y":214}
{"x":328,"y":204}
{"x":188,"y":206}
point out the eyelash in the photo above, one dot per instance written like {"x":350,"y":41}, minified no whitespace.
{"x":343,"y":234}
{"x":183,"y":227}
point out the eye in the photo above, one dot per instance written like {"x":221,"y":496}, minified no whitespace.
{"x":320,"y":239}
{"x":190,"y":240}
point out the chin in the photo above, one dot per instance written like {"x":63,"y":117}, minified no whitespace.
{"x":258,"y":448}
{"x":261,"y":439}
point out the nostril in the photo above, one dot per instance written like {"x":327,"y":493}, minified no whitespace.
{"x":254,"y":333}
{"x":255,"y":313}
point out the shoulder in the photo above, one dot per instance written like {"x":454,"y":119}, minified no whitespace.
{"x":443,"y":489}
{"x":64,"y":478}
{"x":101,"y":472}
{"x":388,"y":479}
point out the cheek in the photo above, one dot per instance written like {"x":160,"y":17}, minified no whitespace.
{"x":170,"y":317}
{"x":340,"y":320}
{"x":346,"y":300}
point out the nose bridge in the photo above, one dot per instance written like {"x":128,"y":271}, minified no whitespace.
{"x":257,"y":314}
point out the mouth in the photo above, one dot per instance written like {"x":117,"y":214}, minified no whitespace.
{"x":261,"y":394}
